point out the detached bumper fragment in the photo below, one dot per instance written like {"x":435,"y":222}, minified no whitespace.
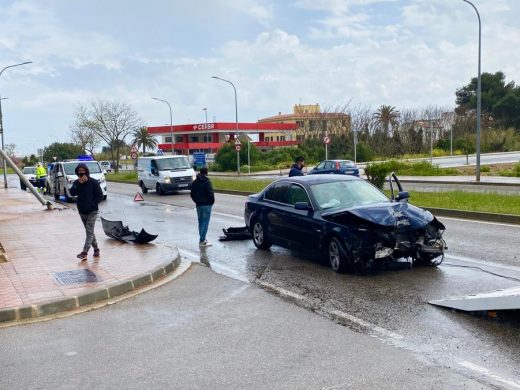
{"x":117,"y":231}
{"x":235,"y":233}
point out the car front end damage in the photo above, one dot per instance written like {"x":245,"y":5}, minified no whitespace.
{"x":403,"y":232}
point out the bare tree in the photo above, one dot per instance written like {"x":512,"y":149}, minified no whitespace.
{"x":83,"y":133}
{"x":111,"y":121}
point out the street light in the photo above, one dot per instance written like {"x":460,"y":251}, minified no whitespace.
{"x":236,"y":120}
{"x":4,"y":166}
{"x":171,"y":124}
{"x":205,"y":109}
{"x":479,"y":90}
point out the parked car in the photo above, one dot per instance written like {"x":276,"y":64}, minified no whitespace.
{"x":343,"y":167}
{"x":62,"y":175}
{"x":106,"y":166}
{"x":30,"y":174}
{"x":164,"y":173}
{"x":344,"y":219}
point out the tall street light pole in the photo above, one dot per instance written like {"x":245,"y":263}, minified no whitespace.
{"x":479,"y":89}
{"x":4,"y":165}
{"x":236,"y":120}
{"x":205,"y":109}
{"x":171,"y":123}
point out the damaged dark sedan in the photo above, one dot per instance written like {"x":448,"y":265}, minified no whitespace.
{"x":345,"y":220}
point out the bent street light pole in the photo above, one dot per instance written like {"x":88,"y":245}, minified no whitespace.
{"x":171,"y":123}
{"x":4,"y":166}
{"x":236,"y":120}
{"x":479,"y":90}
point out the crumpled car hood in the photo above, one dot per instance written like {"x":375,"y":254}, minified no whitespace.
{"x":391,"y":214}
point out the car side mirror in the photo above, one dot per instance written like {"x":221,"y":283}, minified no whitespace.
{"x":402,"y":195}
{"x":302,"y":206}
{"x":59,"y":174}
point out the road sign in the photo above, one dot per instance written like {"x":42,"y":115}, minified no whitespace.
{"x":326,"y":140}
{"x":237,"y":148}
{"x":138,"y":197}
{"x":133,"y":155}
{"x":134,"y":148}
{"x":199,"y":159}
{"x":237,"y":142}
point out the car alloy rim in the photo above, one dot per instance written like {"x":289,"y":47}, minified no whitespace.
{"x":334,"y":254}
{"x":259,"y":233}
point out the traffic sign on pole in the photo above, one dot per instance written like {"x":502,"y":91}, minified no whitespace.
{"x":133,"y":155}
{"x":237,"y":148}
{"x":326,"y":140}
{"x":237,"y":141}
{"x":134,"y":148}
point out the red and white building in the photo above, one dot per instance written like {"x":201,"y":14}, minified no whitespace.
{"x":209,"y":137}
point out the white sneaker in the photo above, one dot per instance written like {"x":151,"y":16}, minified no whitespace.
{"x":204,"y":243}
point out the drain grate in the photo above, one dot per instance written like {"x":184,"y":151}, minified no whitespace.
{"x":76,"y":277}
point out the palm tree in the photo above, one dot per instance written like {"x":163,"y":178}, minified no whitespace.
{"x":386,"y":116}
{"x":143,"y":138}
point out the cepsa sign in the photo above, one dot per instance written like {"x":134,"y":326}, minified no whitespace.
{"x":204,"y":126}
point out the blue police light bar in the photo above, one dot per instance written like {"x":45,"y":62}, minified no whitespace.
{"x":85,"y":158}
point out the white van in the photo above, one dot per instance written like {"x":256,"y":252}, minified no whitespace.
{"x":62,"y":174}
{"x":164,"y":173}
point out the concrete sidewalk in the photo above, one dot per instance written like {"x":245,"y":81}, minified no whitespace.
{"x":39,"y":271}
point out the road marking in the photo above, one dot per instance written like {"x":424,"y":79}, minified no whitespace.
{"x":488,"y":374}
{"x":482,"y":262}
{"x":479,"y":221}
{"x":229,"y":215}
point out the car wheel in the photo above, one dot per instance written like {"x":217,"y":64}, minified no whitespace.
{"x":338,"y":256}
{"x":23,"y":187}
{"x":259,"y":233}
{"x":104,"y":197}
{"x":143,"y":187}
{"x":159,"y":189}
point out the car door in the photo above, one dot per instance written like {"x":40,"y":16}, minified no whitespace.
{"x":329,"y":167}
{"x":303,"y":230}
{"x":276,"y":212}
{"x":319,"y":167}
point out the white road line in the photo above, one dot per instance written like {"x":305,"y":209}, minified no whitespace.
{"x":479,"y":221}
{"x":482,"y":262}
{"x":488,"y":374}
{"x":228,"y":215}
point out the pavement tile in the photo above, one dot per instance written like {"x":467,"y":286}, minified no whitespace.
{"x":40,"y":243}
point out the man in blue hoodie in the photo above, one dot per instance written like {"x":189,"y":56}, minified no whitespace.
{"x":89,"y":195}
{"x":203,"y":196}
{"x":296,"y":169}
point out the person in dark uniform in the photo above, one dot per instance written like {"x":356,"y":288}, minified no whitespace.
{"x":203,"y":196}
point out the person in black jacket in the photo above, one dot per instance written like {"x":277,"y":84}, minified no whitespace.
{"x":296,"y":169}
{"x":204,"y":198}
{"x":89,"y":195}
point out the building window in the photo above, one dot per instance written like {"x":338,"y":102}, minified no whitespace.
{"x":282,"y":138}
{"x":168,"y":140}
{"x":278,"y":138}
{"x":194,"y":138}
{"x":179,"y":138}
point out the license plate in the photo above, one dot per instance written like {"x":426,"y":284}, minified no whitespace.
{"x":183,"y":185}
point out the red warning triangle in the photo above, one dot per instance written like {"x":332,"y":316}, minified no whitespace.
{"x":138,"y":197}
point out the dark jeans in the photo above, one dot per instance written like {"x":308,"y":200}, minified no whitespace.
{"x":89,"y":221}
{"x":203,"y":215}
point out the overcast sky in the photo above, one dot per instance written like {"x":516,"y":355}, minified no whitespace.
{"x":406,"y":53}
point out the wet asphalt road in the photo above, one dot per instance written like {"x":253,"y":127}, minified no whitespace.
{"x":391,"y":305}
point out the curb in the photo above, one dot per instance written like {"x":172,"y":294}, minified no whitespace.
{"x":75,"y":302}
{"x":469,"y":183}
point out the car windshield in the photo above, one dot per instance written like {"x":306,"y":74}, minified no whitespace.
{"x":347,"y":164}
{"x":29,"y":170}
{"x":166,"y":164}
{"x":346,"y":194}
{"x":70,"y":167}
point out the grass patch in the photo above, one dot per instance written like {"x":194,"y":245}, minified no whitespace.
{"x":9,"y":171}
{"x":127,"y":176}
{"x":468,"y":201}
{"x":239,"y":184}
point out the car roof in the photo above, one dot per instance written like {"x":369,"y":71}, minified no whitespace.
{"x":316,"y":179}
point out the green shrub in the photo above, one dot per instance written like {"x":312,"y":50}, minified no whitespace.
{"x":377,"y":173}
{"x":485,"y":168}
